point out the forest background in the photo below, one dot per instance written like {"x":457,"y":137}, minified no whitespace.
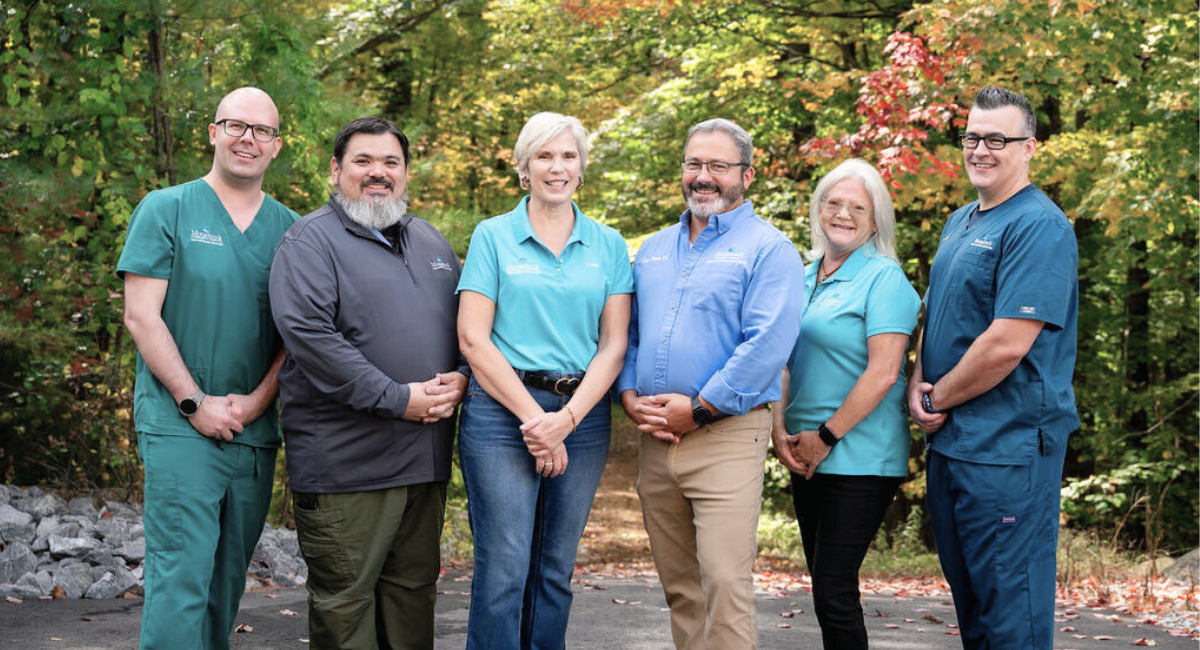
{"x":102,"y":101}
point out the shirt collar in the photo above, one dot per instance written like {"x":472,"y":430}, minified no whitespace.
{"x":523,"y":229}
{"x":724,"y":221}
{"x":853,"y":263}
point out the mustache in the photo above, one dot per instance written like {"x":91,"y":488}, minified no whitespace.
{"x":697,"y":185}
{"x":370,"y":180}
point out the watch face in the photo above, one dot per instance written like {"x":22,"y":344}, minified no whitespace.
{"x":188,"y":407}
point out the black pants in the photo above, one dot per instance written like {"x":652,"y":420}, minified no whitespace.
{"x":839,"y":516}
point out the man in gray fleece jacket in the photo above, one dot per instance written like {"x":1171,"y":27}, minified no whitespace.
{"x":363,"y":296}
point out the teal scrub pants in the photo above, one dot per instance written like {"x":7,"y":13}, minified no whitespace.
{"x":205,"y":505}
{"x":996,"y":528}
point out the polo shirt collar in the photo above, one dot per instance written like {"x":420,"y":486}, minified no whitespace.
{"x":724,"y":221}
{"x":523,"y":229}
{"x":854,"y":263}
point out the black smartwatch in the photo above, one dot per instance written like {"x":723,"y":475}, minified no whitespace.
{"x":701,"y":415}
{"x":927,"y":404}
{"x":189,"y":405}
{"x":827,"y":436}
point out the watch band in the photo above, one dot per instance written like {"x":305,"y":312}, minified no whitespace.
{"x":827,"y":436}
{"x":700,"y":414}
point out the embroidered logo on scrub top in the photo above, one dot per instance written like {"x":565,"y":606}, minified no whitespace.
{"x":982,"y":242}
{"x":831,"y":300}
{"x":728,"y":257}
{"x":522,"y":266}
{"x":1007,"y":519}
{"x":439,"y":265}
{"x":205,"y":236}
{"x":1029,"y":311}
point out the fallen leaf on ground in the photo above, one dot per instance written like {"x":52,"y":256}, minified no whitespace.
{"x":1145,"y":642}
{"x":243,"y":628}
{"x":59,"y":593}
{"x":287,"y":612}
{"x":932,"y":619}
{"x":91,"y":619}
{"x":786,"y":626}
{"x":13,"y":599}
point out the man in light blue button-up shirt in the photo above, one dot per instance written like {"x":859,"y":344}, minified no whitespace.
{"x":716,"y":313}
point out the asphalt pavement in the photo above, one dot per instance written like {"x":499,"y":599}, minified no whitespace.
{"x":626,"y":613}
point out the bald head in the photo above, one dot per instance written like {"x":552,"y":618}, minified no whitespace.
{"x":247,"y":98}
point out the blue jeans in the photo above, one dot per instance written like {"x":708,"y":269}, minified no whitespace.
{"x":526,"y":527}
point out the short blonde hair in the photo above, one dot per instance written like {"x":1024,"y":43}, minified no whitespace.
{"x":882,"y":210}
{"x":542,"y":128}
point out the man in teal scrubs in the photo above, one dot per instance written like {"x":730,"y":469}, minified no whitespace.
{"x":196,"y":262}
{"x":992,"y":384}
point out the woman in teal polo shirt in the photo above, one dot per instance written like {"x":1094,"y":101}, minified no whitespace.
{"x":543,"y":320}
{"x":841,"y":427}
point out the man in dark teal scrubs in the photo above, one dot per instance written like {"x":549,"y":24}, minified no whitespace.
{"x":196,"y":262}
{"x":992,"y":384}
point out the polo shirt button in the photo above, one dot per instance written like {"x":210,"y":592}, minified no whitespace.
{"x":684,"y":274}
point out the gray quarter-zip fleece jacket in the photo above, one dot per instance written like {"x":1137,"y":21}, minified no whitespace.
{"x":360,"y":319}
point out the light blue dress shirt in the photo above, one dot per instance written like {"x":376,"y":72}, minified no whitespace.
{"x":718,"y":317}
{"x":547,"y":308}
{"x":868,"y":295}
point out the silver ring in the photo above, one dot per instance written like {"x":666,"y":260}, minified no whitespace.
{"x":549,"y":463}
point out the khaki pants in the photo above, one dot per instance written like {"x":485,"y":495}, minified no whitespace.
{"x":373,"y":564}
{"x":700,"y":502}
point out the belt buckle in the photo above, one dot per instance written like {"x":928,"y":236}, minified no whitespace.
{"x":572,"y":384}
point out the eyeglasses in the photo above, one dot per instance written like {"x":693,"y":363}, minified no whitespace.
{"x":237,"y":128}
{"x":835,"y":208}
{"x":994,"y":142}
{"x":715,"y":167}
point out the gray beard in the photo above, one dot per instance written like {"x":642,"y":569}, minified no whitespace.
{"x":369,"y":213}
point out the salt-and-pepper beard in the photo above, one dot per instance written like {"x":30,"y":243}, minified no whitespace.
{"x":370,"y":213}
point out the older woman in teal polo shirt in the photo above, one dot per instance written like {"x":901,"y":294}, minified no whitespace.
{"x":841,"y":428}
{"x":543,"y":320}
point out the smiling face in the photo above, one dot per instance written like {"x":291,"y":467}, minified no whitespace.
{"x":706,"y":194}
{"x":847,"y":218}
{"x":554,"y":170}
{"x":243,"y":159}
{"x":997,"y":174}
{"x":372,"y":168}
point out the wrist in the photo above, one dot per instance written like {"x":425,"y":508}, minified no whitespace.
{"x":827,"y":436}
{"x":927,"y":403}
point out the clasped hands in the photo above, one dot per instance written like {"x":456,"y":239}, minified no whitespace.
{"x":221,"y":417}
{"x":667,"y":416}
{"x":544,"y":435}
{"x":435,"y":399}
{"x":801,"y":453}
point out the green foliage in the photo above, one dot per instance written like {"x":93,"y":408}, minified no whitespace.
{"x":105,"y":101}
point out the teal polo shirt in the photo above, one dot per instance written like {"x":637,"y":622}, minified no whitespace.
{"x":547,"y":307}
{"x":216,"y":307}
{"x":868,"y":295}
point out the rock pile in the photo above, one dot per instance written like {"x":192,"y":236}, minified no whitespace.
{"x":81,"y":551}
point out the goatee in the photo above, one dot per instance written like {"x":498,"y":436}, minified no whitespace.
{"x":370,"y":213}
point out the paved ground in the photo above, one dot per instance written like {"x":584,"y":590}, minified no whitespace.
{"x":608,"y":614}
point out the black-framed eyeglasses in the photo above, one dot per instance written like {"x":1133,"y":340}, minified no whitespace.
{"x":237,"y":128}
{"x":994,"y":142}
{"x":715,"y":167}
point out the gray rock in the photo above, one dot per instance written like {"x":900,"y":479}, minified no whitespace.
{"x":48,"y":526}
{"x":102,"y":560}
{"x":134,"y":551}
{"x":42,"y":581}
{"x":74,"y":577}
{"x":111,"y":585}
{"x":86,"y":525}
{"x":42,"y":504}
{"x":82,"y":506}
{"x":61,"y":547}
{"x":15,"y":561}
{"x":16,"y":526}
{"x":24,"y":592}
{"x":116,"y":532}
{"x":1187,"y":566}
{"x":122,"y":510}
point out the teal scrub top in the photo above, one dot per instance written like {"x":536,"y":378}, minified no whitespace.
{"x":216,"y":307}
{"x":1019,"y":260}
{"x":868,"y":295}
{"x":547,"y":308}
